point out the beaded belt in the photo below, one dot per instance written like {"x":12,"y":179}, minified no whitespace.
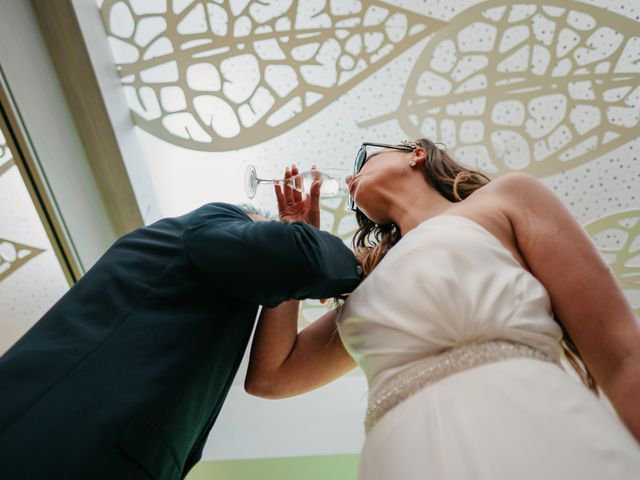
{"x":436,"y":367}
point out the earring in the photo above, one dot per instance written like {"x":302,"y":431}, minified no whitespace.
{"x":413,"y":162}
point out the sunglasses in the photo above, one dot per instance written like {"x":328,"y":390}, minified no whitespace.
{"x":361,"y":159}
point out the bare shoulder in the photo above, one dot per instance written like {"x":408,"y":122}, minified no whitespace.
{"x":507,"y":199}
{"x":517,"y":186}
{"x":519,"y":210}
{"x":525,"y":200}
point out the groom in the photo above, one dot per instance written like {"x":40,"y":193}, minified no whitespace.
{"x":124,"y":377}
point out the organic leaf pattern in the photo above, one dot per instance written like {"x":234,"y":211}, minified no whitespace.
{"x":539,"y":86}
{"x":13,"y":255}
{"x":342,"y":220}
{"x":215,"y":75}
{"x":6,"y":159}
{"x":618,"y":238}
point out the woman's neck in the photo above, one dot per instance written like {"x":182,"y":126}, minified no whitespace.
{"x":410,"y":208}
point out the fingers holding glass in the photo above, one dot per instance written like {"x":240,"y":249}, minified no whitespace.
{"x":282,"y":202}
{"x":297,"y":195}
{"x":297,"y":189}
{"x":288,"y":191}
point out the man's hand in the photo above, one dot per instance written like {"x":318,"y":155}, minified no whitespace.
{"x":292,"y":207}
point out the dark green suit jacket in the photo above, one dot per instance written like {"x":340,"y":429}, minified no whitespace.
{"x":124,"y":376}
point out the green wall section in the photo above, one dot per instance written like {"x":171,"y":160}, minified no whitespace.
{"x":334,"y":467}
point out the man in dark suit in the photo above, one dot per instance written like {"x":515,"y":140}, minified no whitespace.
{"x":124,"y":376}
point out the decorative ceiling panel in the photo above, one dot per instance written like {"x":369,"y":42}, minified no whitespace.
{"x":224,"y":75}
{"x":548,"y":87}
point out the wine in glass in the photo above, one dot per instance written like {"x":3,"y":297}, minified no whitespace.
{"x":333,"y":181}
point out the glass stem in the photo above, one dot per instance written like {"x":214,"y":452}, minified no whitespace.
{"x":272,"y":181}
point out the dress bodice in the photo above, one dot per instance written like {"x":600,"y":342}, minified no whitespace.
{"x":448,"y":282}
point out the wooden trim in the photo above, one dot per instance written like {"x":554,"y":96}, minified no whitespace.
{"x":23,"y":158}
{"x":63,"y":36}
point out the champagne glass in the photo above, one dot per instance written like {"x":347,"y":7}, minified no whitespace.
{"x":333,"y":181}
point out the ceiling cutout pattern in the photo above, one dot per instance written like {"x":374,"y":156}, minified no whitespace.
{"x":215,"y":75}
{"x":548,"y":87}
{"x":6,"y":159}
{"x":12,"y":255}
{"x":536,"y":86}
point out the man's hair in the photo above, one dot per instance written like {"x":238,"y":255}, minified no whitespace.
{"x":251,"y":210}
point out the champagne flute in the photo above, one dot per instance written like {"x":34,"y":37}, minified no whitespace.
{"x":333,"y":181}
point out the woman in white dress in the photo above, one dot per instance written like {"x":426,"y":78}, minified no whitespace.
{"x":459,"y":324}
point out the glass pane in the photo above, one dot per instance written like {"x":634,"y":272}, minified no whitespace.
{"x":31,"y":277}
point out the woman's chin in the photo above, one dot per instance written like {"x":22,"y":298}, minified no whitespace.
{"x":374,"y":218}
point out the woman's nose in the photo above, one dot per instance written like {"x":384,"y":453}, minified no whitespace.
{"x":348,"y":179}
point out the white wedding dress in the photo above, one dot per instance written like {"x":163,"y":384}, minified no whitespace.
{"x":450,"y":283}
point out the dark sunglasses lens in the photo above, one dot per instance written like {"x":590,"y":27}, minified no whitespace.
{"x":360,"y":158}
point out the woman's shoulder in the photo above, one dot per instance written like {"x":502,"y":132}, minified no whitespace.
{"x":502,"y":203}
{"x":511,"y":195}
{"x":515,"y":185}
{"x":496,"y":197}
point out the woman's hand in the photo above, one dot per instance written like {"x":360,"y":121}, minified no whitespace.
{"x":292,"y":207}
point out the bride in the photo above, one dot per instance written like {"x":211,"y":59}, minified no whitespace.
{"x":474,"y":290}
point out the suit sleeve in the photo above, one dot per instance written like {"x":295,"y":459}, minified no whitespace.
{"x":270,"y":262}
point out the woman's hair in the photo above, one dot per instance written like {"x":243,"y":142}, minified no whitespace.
{"x":371,"y":242}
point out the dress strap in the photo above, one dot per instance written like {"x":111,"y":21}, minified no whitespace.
{"x":436,"y":367}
